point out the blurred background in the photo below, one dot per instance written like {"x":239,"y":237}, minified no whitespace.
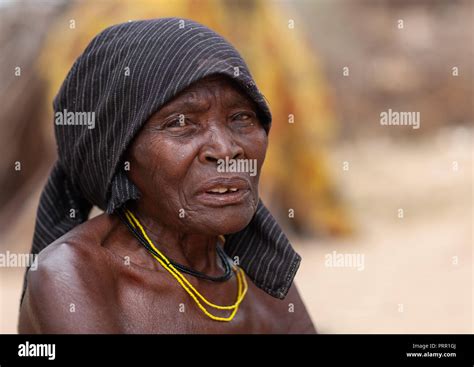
{"x":338,"y":181}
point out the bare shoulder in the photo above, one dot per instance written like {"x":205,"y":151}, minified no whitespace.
{"x":67,"y":291}
{"x":291,"y":313}
{"x":299,"y":320}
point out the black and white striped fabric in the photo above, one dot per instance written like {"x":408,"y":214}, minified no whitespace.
{"x":126,"y":74}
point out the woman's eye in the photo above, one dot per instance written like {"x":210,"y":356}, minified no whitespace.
{"x":244,"y":118}
{"x":179,"y":121}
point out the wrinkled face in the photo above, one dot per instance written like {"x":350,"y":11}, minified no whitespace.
{"x":197,"y":160}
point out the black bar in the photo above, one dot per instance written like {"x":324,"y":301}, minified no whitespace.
{"x":317,"y":350}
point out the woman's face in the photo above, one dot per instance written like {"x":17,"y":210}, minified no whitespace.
{"x":178,"y":160}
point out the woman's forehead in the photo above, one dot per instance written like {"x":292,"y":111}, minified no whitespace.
{"x":216,"y":81}
{"x":223,"y":86}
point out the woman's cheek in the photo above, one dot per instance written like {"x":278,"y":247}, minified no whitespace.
{"x":257,"y":148}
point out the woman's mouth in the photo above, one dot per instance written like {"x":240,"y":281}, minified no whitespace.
{"x":223,"y":197}
{"x":221,"y":191}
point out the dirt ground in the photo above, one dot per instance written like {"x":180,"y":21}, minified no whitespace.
{"x":417,"y":275}
{"x":422,"y":261}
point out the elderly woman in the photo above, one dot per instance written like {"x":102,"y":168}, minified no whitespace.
{"x":149,"y":113}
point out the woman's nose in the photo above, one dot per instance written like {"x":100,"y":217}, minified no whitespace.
{"x":219,"y":145}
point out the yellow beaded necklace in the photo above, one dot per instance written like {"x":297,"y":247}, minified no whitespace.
{"x":186,"y":285}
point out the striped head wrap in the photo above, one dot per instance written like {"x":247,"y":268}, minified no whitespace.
{"x":125,"y":75}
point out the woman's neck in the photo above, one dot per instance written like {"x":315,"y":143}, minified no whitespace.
{"x":195,"y":251}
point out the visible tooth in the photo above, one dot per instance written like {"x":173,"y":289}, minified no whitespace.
{"x":219,"y":190}
{"x":233,"y":189}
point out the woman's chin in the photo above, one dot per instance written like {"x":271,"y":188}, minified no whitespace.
{"x":227,"y":222}
{"x":237,"y":225}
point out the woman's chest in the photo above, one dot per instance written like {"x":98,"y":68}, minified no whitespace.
{"x":173,"y":311}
